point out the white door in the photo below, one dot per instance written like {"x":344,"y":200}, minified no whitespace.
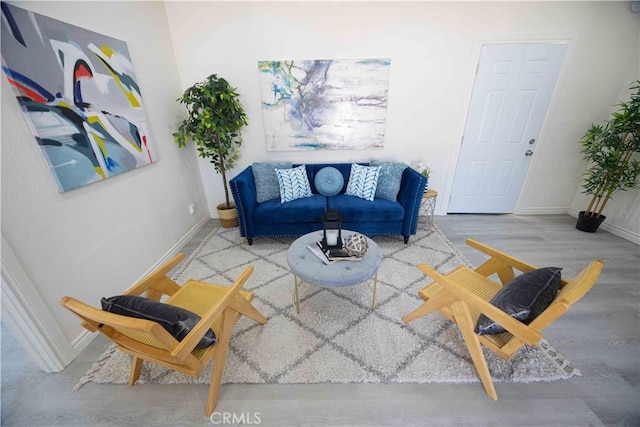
{"x":513,"y":88}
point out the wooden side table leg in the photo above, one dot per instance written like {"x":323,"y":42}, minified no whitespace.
{"x":375,"y":286}
{"x":296,"y":296}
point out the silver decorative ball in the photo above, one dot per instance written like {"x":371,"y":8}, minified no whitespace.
{"x":356,"y":245}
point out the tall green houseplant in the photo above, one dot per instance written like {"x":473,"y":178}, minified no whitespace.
{"x":215,"y":117}
{"x":611,"y":150}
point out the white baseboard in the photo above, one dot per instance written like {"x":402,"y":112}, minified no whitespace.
{"x":621,"y":232}
{"x":613,"y":229}
{"x":84,"y":339}
{"x":29,"y":318}
{"x":541,"y":211}
{"x":175,"y":249}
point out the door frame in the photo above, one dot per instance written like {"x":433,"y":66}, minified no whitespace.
{"x":28,"y":317}
{"x":464,"y":113}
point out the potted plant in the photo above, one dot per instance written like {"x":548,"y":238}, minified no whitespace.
{"x":611,"y":151}
{"x":215,"y":117}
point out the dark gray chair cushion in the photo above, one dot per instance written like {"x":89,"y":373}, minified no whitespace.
{"x":524,"y":298}
{"x":177,"y":321}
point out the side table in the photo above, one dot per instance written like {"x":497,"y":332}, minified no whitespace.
{"x":307,"y":267}
{"x":429,"y":198}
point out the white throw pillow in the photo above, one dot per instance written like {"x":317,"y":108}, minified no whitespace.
{"x":363,"y":181}
{"x":293,"y":183}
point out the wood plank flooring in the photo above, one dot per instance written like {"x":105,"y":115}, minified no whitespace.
{"x":600,"y":335}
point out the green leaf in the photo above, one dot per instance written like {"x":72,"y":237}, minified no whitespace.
{"x":610,"y":149}
{"x":214,"y":120}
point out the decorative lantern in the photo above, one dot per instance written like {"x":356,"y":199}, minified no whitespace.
{"x":332,"y":230}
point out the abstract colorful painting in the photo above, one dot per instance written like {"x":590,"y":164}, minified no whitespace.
{"x":79,"y":95}
{"x":324,"y":104}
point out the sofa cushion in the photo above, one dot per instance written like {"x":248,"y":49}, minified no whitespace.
{"x":176,"y":320}
{"x":329,"y":181}
{"x":524,"y":298}
{"x":363,"y":181}
{"x":307,"y":209}
{"x":266,"y":180}
{"x":356,"y":209}
{"x":314,"y":168}
{"x":389,"y":179}
{"x":294,"y":184}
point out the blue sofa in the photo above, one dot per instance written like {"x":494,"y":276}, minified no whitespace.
{"x":271,"y":218}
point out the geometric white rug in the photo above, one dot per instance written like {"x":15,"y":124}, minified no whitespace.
{"x":337,"y":338}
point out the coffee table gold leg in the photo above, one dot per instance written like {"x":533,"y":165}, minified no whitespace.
{"x":296,"y":297}
{"x":375,"y":286}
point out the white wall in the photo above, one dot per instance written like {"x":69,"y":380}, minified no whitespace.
{"x":98,"y":240}
{"x":434,"y":47}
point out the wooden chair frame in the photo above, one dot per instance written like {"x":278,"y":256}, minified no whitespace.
{"x":148,"y":340}
{"x":464,"y":293}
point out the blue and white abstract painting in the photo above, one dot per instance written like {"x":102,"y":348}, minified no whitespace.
{"x":324,"y":104}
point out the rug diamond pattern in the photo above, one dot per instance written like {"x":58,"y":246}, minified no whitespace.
{"x":228,"y":258}
{"x":378,"y":351}
{"x":320,"y":309}
{"x":325,"y":365}
{"x":337,"y":337}
{"x":277,"y":345}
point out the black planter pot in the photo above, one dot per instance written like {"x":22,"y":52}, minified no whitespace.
{"x":589,"y":223}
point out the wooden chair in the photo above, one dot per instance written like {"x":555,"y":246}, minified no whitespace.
{"x":464,"y":293}
{"x":218,"y":306}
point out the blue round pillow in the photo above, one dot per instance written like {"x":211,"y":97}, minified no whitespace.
{"x":329,"y":181}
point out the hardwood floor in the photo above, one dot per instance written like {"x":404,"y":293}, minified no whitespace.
{"x":600,"y":335}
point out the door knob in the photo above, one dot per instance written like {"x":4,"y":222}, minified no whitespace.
{"x":528,"y":153}
{"x":532,"y":141}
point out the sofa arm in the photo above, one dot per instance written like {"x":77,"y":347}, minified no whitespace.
{"x":410,"y":196}
{"x":244,"y":193}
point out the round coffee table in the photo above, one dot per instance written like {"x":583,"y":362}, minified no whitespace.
{"x":307,"y":267}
